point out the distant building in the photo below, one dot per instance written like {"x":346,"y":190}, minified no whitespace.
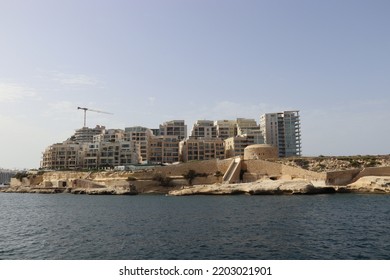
{"x":174,"y":128}
{"x":86,"y":134}
{"x":141,"y":136}
{"x":6,"y":175}
{"x":235,"y":146}
{"x":94,"y":148}
{"x":226,"y":128}
{"x":62,"y":156}
{"x":164,"y":149}
{"x":204,"y":129}
{"x":283,"y":131}
{"x":202,"y":149}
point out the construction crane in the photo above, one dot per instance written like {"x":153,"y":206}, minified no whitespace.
{"x":92,"y":110}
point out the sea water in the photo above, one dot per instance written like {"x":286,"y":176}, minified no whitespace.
{"x":82,"y":227}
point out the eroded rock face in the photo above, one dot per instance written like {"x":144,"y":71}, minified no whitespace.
{"x":371,"y":184}
{"x":261,"y":187}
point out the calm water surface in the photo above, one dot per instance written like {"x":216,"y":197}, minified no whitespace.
{"x":64,"y":226}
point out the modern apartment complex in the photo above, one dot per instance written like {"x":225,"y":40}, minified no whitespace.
{"x":93,"y":148}
{"x":282,"y":130}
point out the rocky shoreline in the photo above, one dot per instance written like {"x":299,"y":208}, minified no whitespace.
{"x":369,"y":184}
{"x":288,"y":187}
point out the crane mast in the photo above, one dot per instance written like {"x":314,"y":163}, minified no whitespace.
{"x":92,"y":110}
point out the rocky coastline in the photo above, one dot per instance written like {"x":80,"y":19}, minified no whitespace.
{"x":253,"y":177}
{"x":266,"y":186}
{"x":370,"y":184}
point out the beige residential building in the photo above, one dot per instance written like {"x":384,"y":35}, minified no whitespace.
{"x":86,"y":134}
{"x":174,"y":128}
{"x":109,"y":135}
{"x":202,"y":149}
{"x":90,"y":156}
{"x":226,"y":128}
{"x":141,"y":136}
{"x":245,"y":125}
{"x":204,"y":129}
{"x":235,"y":146}
{"x":62,"y":156}
{"x":164,"y":149}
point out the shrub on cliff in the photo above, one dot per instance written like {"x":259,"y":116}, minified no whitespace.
{"x":164,"y":180}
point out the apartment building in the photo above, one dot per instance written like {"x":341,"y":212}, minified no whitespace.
{"x":204,"y":129}
{"x":139,"y":135}
{"x":98,"y":147}
{"x":283,"y":131}
{"x":62,"y":156}
{"x":226,"y":128}
{"x":86,"y":134}
{"x":174,"y":128}
{"x":109,"y":135}
{"x":202,"y":149}
{"x":164,"y":149}
{"x":234,"y":146}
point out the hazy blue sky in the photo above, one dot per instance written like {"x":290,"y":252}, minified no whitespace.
{"x":153,"y":61}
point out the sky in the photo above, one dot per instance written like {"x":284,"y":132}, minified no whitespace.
{"x":151,"y":61}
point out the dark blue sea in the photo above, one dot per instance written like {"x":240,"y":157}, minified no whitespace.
{"x":82,"y":227}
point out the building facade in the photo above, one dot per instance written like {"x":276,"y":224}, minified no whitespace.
{"x":283,"y":131}
{"x":174,"y":128}
{"x":202,"y":149}
{"x":164,"y":149}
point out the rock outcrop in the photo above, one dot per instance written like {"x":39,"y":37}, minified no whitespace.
{"x":79,"y":186}
{"x":261,"y":187}
{"x":371,"y":184}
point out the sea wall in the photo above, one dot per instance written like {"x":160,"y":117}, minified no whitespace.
{"x":342,"y":177}
{"x":205,"y":166}
{"x":345,"y":177}
{"x":257,"y":169}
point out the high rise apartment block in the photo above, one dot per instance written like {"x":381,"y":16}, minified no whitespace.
{"x":283,"y":131}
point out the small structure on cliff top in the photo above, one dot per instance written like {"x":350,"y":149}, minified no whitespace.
{"x":260,"y":151}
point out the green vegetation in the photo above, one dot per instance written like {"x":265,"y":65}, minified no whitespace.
{"x":163,"y":179}
{"x":192,"y":174}
{"x":304,"y":163}
{"x":20,"y":175}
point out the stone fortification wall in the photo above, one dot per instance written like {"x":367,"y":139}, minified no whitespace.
{"x":206,"y":166}
{"x":374,"y":171}
{"x":342,"y":177}
{"x":256,"y":169}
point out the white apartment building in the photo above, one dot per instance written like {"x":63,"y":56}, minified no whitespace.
{"x":283,"y":131}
